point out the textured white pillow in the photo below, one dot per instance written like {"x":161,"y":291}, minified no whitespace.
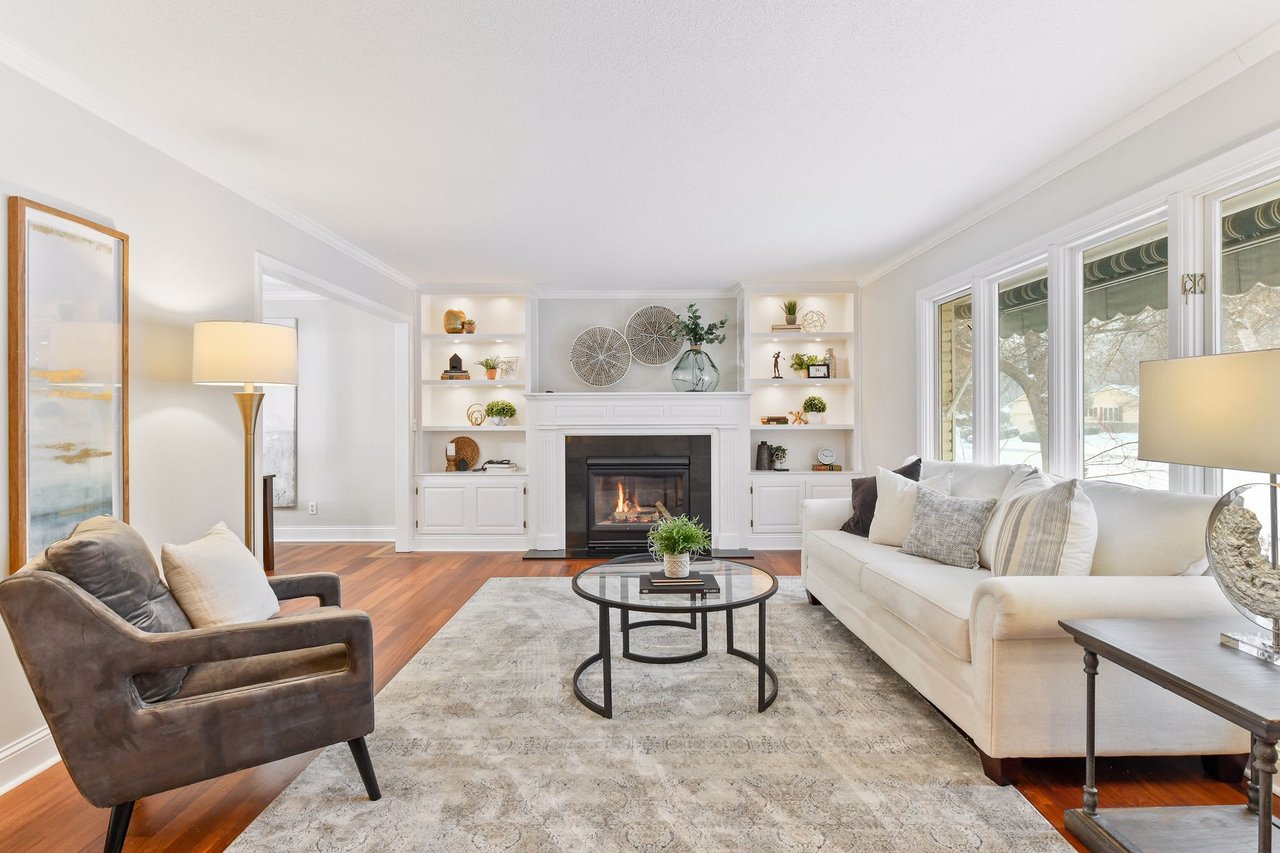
{"x":1025,"y":481}
{"x":896,"y":504}
{"x":217,"y":581}
{"x":1046,"y":533}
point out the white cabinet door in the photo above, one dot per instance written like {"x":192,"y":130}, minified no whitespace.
{"x":442,"y":509}
{"x":775,"y":507}
{"x":825,"y":488}
{"x":498,"y":508}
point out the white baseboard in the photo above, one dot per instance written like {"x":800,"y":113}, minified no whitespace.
{"x":336,"y":534}
{"x":471,"y":542}
{"x":25,"y":757}
{"x":774,"y":541}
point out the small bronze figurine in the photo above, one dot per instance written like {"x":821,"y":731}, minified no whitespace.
{"x":777,"y":374}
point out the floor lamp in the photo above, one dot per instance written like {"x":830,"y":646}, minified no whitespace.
{"x":248,"y":355}
{"x":1223,"y":411}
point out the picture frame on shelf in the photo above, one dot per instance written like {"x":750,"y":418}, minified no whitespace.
{"x":821,"y":370}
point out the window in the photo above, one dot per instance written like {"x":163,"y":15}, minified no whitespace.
{"x":1023,"y":435}
{"x":1126,"y":321}
{"x":955,"y":379}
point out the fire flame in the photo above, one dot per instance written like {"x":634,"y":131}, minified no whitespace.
{"x":623,"y":504}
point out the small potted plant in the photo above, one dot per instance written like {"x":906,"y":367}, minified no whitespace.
{"x":500,"y":411}
{"x":779,"y":455}
{"x":695,"y":371}
{"x":789,"y":309}
{"x":676,"y":540}
{"x":469,"y":326}
{"x":815,"y":407}
{"x":800,"y":362}
{"x":490,"y":365}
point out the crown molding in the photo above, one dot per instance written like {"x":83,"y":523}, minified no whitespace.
{"x":63,"y":83}
{"x":1214,"y":74}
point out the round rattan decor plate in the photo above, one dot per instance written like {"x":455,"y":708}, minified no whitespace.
{"x":600,"y":356}
{"x":649,"y":335}
{"x":467,"y":449}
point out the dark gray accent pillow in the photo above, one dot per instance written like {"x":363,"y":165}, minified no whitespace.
{"x":948,"y":529}
{"x":109,"y":560}
{"x":865,"y":495}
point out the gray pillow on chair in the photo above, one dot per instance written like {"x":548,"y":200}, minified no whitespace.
{"x":109,"y":560}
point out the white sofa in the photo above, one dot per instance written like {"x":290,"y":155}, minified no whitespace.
{"x":988,"y":651}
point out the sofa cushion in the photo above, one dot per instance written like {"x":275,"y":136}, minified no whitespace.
{"x":971,"y":480}
{"x":109,"y":560}
{"x":1148,"y":531}
{"x":847,"y":553}
{"x":930,"y":597}
{"x":896,"y":505}
{"x":1024,"y":480}
{"x":863,"y":493}
{"x":1047,"y":532}
{"x":948,"y":529}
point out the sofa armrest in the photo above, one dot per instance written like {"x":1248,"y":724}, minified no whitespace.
{"x":1028,"y":608}
{"x":325,"y":586}
{"x":824,"y":513}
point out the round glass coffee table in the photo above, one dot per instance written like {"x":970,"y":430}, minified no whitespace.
{"x":616,"y":585}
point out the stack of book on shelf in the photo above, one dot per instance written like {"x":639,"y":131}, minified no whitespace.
{"x":818,"y":466}
{"x":787,"y":327}
{"x":657,"y":583}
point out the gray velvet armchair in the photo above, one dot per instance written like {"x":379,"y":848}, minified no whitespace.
{"x":254,"y":693}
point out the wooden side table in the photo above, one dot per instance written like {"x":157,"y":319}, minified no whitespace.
{"x":1184,"y":657}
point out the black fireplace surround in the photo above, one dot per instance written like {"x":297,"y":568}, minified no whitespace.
{"x":619,"y":486}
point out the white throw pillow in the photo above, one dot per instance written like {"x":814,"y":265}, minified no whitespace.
{"x":896,"y":504}
{"x":1046,"y":533}
{"x":217,"y":581}
{"x":1025,"y":481}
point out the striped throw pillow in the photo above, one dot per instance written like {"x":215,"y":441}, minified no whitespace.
{"x":1049,"y":532}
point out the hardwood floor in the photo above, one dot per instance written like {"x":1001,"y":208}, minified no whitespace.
{"x":409,"y":597}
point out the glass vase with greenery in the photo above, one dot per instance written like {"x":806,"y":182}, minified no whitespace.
{"x":676,"y":540}
{"x":695,"y":370}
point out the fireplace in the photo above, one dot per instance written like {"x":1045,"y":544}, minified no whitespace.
{"x":627,"y":495}
{"x":618,"y":487}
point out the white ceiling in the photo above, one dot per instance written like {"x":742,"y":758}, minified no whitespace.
{"x":632,"y":143}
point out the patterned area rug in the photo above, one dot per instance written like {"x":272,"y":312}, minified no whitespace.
{"x":481,"y":746}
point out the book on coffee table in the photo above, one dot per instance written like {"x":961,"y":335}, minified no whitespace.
{"x":657,"y":583}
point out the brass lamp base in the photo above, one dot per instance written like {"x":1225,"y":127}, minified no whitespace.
{"x":249,"y":401}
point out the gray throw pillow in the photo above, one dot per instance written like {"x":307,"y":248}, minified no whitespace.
{"x":948,"y":529}
{"x":109,"y":560}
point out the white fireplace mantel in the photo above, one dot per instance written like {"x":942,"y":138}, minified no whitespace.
{"x":724,"y":416}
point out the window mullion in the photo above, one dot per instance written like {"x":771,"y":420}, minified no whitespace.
{"x":1066,"y":359}
{"x":986,"y":372}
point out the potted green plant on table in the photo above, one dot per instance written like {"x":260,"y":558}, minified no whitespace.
{"x":790,"y":308}
{"x":500,"y":411}
{"x":779,"y":455}
{"x":814,"y":407}
{"x":695,"y":371}
{"x":676,"y":539}
{"x":490,"y":365}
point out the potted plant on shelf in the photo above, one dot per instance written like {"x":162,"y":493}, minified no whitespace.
{"x":676,"y":540}
{"x":469,"y":326}
{"x":815,"y":407}
{"x":800,"y":362}
{"x":500,"y":411}
{"x":490,"y":365}
{"x":790,"y":308}
{"x":695,"y":371}
{"x":779,"y":456}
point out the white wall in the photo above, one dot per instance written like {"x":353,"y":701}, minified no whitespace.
{"x":562,"y":320}
{"x":192,"y":246}
{"x":1241,"y":109}
{"x":346,"y":400}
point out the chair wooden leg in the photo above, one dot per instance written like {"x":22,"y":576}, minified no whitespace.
{"x":118,"y":828}
{"x":813,"y":599}
{"x":1002,"y":771}
{"x":361,"y":754}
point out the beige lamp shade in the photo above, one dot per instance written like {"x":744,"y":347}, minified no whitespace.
{"x":1216,"y":411}
{"x":239,"y":353}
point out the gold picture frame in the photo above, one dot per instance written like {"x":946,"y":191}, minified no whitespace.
{"x":68,"y":374}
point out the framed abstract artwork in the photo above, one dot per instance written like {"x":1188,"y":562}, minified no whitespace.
{"x":68,"y":375}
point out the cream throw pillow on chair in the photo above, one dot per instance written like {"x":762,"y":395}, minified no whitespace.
{"x":896,"y":504}
{"x":218,"y":581}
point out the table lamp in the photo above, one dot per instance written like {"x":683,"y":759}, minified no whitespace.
{"x":1223,"y":411}
{"x":248,"y":355}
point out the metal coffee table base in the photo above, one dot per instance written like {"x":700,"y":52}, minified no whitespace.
{"x":763,"y":699}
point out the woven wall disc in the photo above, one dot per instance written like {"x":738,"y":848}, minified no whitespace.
{"x":649,"y":335}
{"x":467,"y":449}
{"x":600,"y":356}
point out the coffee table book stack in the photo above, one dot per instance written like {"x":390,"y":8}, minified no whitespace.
{"x":657,"y":583}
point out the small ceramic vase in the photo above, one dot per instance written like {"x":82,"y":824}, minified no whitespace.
{"x":675,"y":565}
